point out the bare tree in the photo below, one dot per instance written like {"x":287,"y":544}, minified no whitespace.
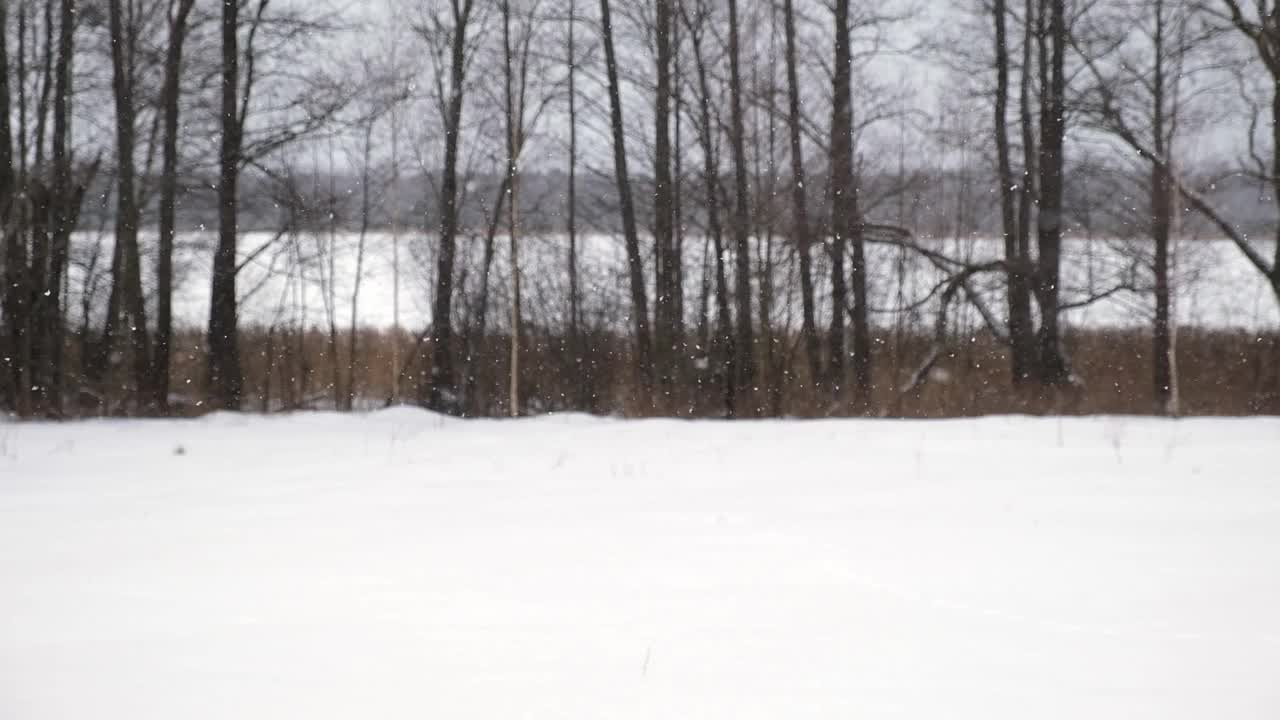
{"x":846,"y":222}
{"x":744,"y":343}
{"x":724,"y":331}
{"x":129,"y":318}
{"x":439,"y":389}
{"x":225,"y":380}
{"x":1051,"y":161}
{"x":170,"y":101}
{"x":666,"y":321}
{"x":1021,"y":338}
{"x":801,"y":231}
{"x":631,"y":237}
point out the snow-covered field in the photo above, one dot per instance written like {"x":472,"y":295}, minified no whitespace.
{"x":400,"y":565}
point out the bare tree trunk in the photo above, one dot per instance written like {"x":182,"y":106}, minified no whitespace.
{"x":46,"y":84}
{"x":170,"y":97}
{"x":665,"y":319}
{"x":127,"y":274}
{"x":847,"y":219}
{"x":515,"y":120}
{"x":677,"y":211}
{"x":1026,"y":198}
{"x":22,"y":90}
{"x":1053,"y":363}
{"x":225,"y":380}
{"x":576,"y":349}
{"x":328,"y":285}
{"x":745,"y":343}
{"x":635,"y":268}
{"x":842,"y":210}
{"x":724,"y":334}
{"x":395,"y":248}
{"x":799,"y":198}
{"x":6,"y":129}
{"x":476,"y":331}
{"x":1021,"y":341}
{"x":14,"y":262}
{"x":64,"y":199}
{"x":366,"y":153}
{"x":1163,"y":380}
{"x":441,"y":392}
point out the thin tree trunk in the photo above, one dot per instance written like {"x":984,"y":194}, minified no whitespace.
{"x":127,"y":275}
{"x":842,"y":199}
{"x":799,"y":199}
{"x":745,"y":343}
{"x":1021,"y":341}
{"x":664,"y":291}
{"x":14,"y":260}
{"x":441,"y":392}
{"x":395,"y":248}
{"x":1053,"y":364}
{"x":571,"y":212}
{"x":46,"y":83}
{"x":6,"y":129}
{"x":514,"y":113}
{"x":1026,"y":200}
{"x":478,"y":328}
{"x":635,"y":265}
{"x":170,"y":97}
{"x":847,"y":220}
{"x":1163,"y":381}
{"x":365,"y":204}
{"x":724,"y":333}
{"x":329,"y":286}
{"x":677,"y":211}
{"x":225,"y":380}
{"x":62,"y":206}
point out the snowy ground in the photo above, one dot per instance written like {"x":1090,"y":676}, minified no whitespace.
{"x":398,"y":565}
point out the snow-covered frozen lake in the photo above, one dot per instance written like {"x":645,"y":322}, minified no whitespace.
{"x":286,"y":283}
{"x":400,"y":565}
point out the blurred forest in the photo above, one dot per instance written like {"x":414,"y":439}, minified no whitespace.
{"x":702,"y":208}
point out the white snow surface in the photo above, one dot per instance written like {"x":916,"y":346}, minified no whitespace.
{"x":402,"y":565}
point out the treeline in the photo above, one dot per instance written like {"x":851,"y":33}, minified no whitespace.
{"x":773,"y":142}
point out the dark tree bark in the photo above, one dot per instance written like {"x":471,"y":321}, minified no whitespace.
{"x":63,"y":202}
{"x":631,"y":237}
{"x":7,"y":174}
{"x":14,"y":257}
{"x":514,"y":111}
{"x":677,"y":206}
{"x":1026,"y":200}
{"x":224,"y":375}
{"x":475,"y":331}
{"x":440,"y":387}
{"x":846,"y":222}
{"x":745,"y":343}
{"x":1164,"y":379}
{"x":576,"y":350}
{"x":1021,"y":341}
{"x":723,"y":339}
{"x":366,"y":207}
{"x":665,"y":320}
{"x":1053,"y":362}
{"x":46,"y":84}
{"x":130,"y":319}
{"x":800,"y":219}
{"x":171,"y":107}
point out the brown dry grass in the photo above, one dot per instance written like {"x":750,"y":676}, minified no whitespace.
{"x":1220,"y":373}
